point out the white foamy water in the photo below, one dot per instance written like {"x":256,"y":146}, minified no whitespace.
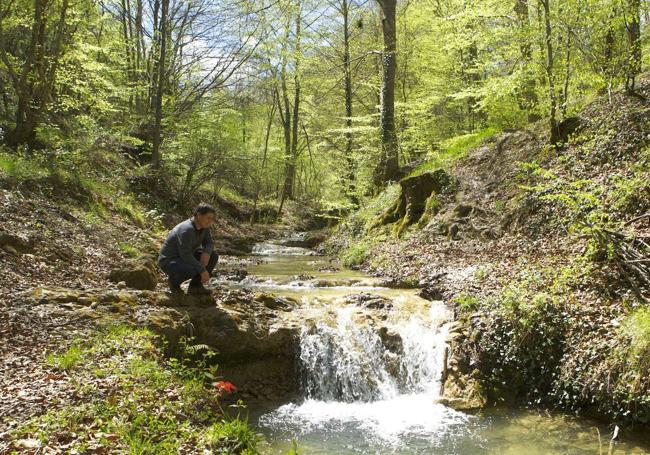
{"x":390,"y":421}
{"x":271,"y":249}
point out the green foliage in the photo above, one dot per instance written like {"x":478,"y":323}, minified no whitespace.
{"x":126,"y":206}
{"x":193,"y":361}
{"x":630,"y":195}
{"x":355,"y":254}
{"x":232,"y":436}
{"x":453,"y":149}
{"x":466,"y":303}
{"x":130,"y":250}
{"x":526,"y":339}
{"x":20,"y":168}
{"x":636,"y":328}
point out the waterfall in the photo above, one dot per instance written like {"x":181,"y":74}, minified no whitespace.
{"x":345,"y":359}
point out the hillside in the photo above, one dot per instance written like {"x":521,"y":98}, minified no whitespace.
{"x":543,"y":254}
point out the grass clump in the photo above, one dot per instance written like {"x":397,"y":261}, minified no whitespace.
{"x":130,"y":250}
{"x":126,"y":207}
{"x":66,"y":360}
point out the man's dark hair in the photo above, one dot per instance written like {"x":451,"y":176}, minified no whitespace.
{"x":203,"y":208}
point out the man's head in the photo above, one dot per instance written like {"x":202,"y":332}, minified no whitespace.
{"x":204,"y":215}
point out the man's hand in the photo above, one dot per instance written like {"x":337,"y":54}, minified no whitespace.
{"x":205,"y":258}
{"x":205,"y":277}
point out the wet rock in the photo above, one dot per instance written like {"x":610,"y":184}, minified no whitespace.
{"x":236,"y":275}
{"x":391,"y":340}
{"x":393,"y":364}
{"x":138,"y":273}
{"x":274,"y":302}
{"x":431,"y":293}
{"x":468,"y":397}
{"x":308,"y":240}
{"x":329,"y":283}
{"x":370,"y":301}
{"x":301,"y":277}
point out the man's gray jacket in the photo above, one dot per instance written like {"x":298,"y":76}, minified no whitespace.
{"x":182,"y":242}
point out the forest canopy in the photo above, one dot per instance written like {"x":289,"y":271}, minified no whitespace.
{"x":322,"y":101}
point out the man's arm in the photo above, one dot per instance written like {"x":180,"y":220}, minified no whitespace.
{"x":185,"y":249}
{"x":208,"y":245}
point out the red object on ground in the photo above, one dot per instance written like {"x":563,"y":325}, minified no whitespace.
{"x":225,"y":387}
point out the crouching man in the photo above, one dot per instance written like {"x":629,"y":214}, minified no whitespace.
{"x":188,"y":252}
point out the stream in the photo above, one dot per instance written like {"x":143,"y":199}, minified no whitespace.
{"x":358,"y":397}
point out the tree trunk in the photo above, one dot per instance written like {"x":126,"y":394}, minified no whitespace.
{"x":528,"y":100}
{"x":550,"y":60}
{"x":157,"y":131}
{"x":291,"y":117}
{"x":634,"y":37}
{"x":351,"y":187}
{"x":389,"y":160}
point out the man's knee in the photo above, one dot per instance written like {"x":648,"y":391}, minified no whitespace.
{"x":212,"y":262}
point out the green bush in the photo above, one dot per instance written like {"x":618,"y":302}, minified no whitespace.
{"x":21,"y":168}
{"x":636,"y":328}
{"x":355,"y":254}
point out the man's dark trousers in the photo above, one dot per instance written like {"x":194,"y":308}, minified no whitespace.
{"x":179,"y":270}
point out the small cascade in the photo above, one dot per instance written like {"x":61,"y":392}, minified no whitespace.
{"x":277,"y":249}
{"x":344,"y":359}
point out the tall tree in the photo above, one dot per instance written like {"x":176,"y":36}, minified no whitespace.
{"x":550,"y":72}
{"x":528,"y":99}
{"x":633,"y":26}
{"x":347,"y":81}
{"x":160,"y":81}
{"x":290,"y":114}
{"x":33,"y":78}
{"x":388,"y":167}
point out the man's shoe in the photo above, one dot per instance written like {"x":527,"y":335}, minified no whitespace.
{"x":174,"y":288}
{"x":198,"y":290}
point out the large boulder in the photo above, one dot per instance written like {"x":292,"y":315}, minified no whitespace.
{"x":138,"y":273}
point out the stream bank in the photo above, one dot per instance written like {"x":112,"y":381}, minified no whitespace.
{"x":369,"y":365}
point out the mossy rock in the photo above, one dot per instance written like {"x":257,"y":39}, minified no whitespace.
{"x":138,"y":273}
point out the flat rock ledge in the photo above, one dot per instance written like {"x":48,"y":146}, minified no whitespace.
{"x":255,"y":341}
